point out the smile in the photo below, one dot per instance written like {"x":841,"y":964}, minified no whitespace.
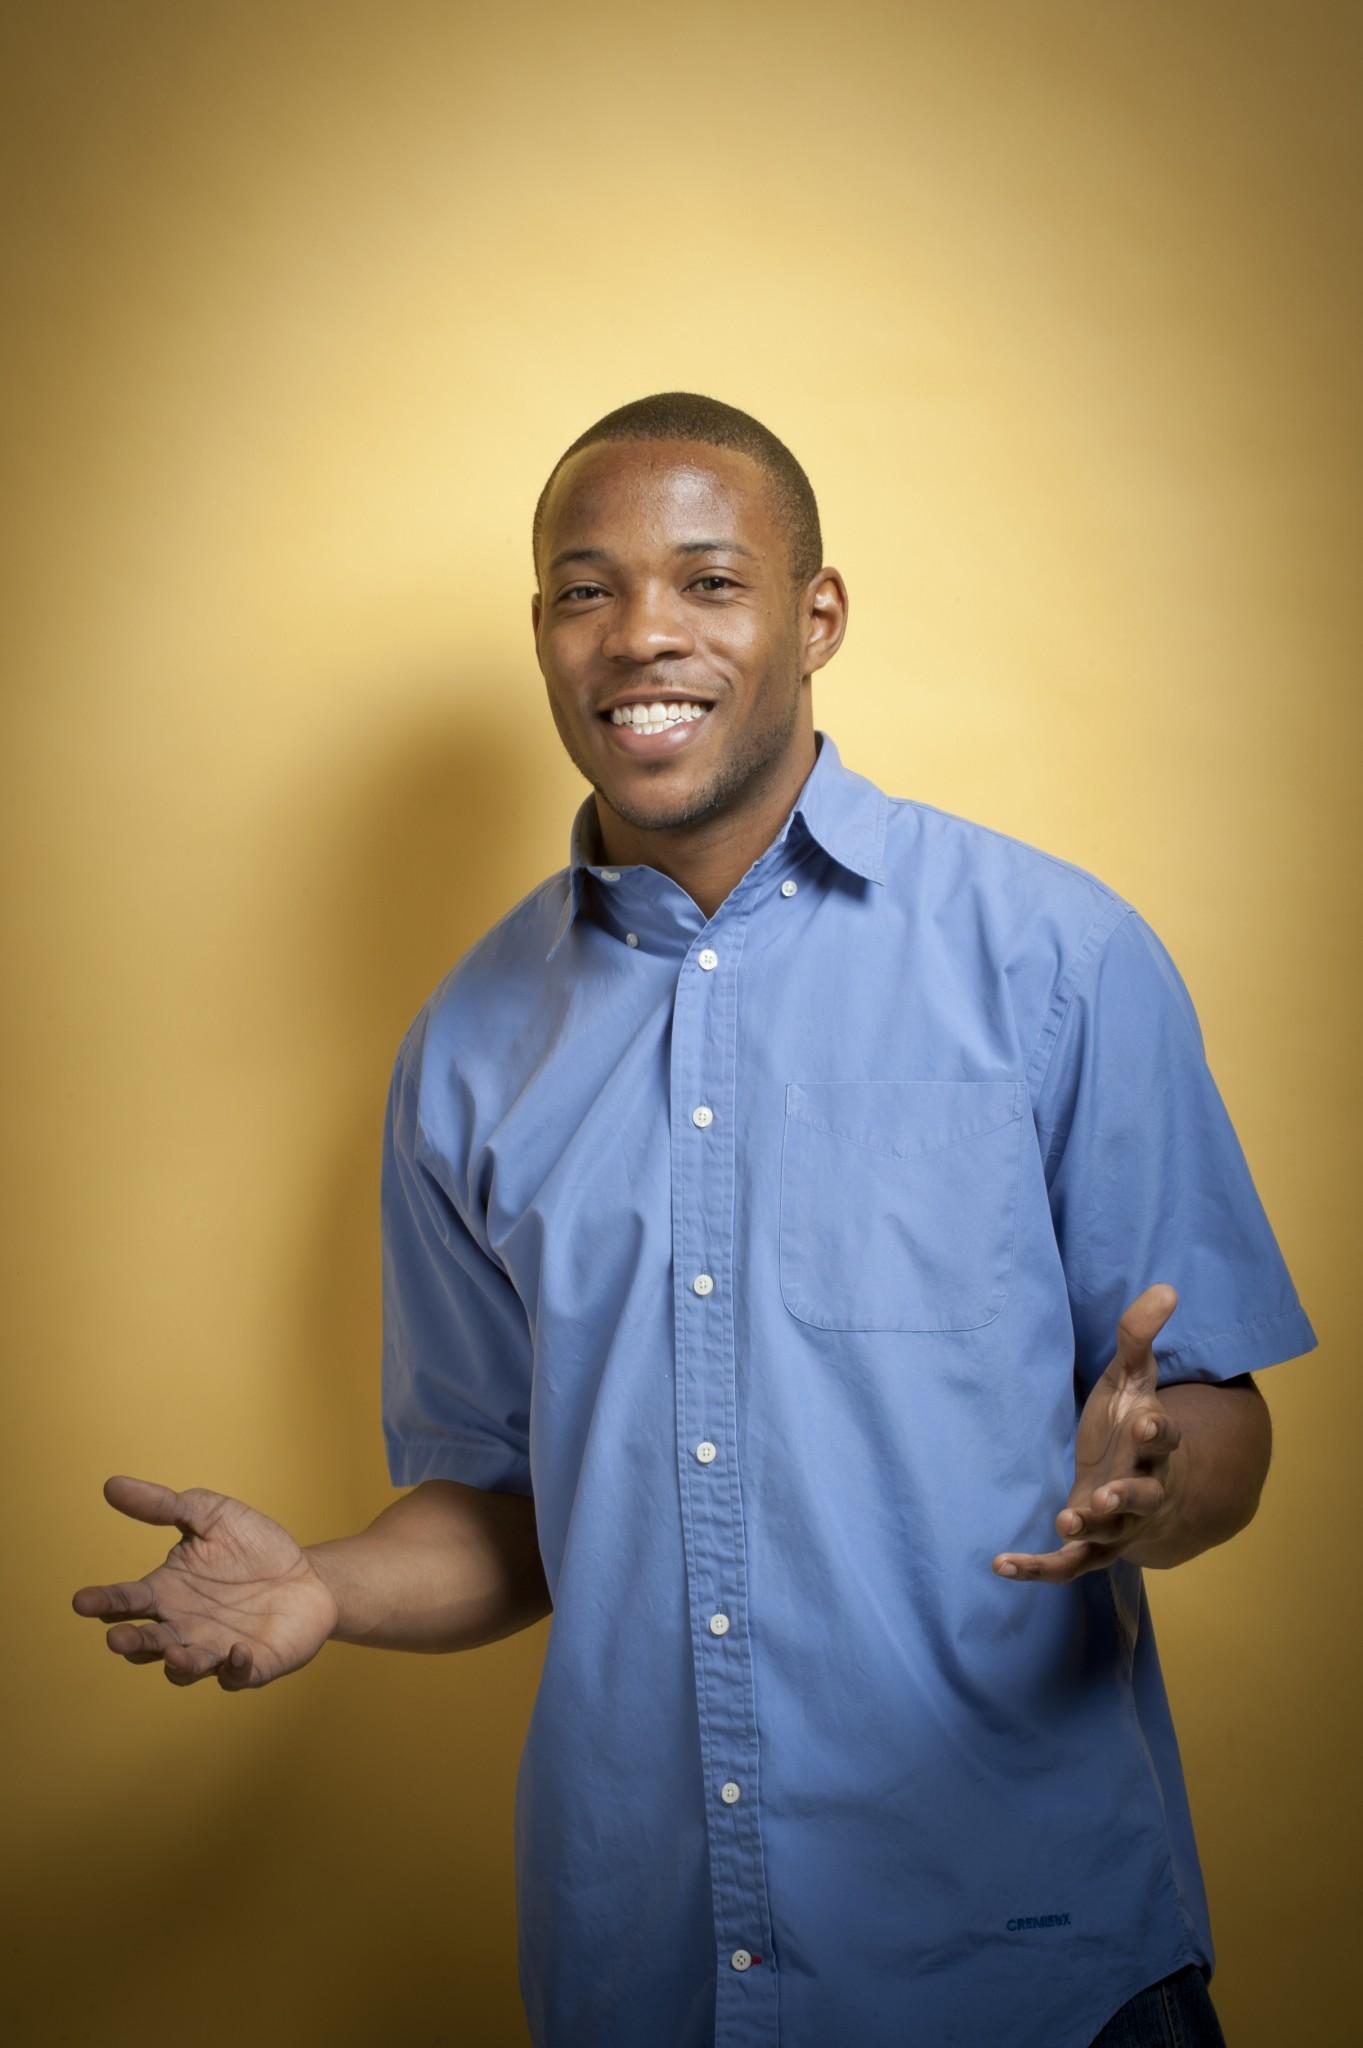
{"x":650,"y":715}
{"x":647,"y":729}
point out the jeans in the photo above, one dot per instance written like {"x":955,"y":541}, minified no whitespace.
{"x":1175,"y":2013}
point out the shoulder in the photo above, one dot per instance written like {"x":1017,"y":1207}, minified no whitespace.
{"x":1005,"y":912}
{"x":1012,"y":885}
{"x":459,"y":1056}
{"x":500,"y":975}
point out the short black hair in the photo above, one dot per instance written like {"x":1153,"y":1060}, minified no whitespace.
{"x":690,"y":416}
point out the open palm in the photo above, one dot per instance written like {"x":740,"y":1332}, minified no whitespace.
{"x":236,"y":1597}
{"x":1125,"y":1486}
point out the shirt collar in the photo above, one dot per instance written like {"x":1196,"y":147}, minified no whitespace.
{"x":843,"y":811}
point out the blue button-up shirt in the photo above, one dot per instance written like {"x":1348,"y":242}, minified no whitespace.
{"x":774,"y":1253}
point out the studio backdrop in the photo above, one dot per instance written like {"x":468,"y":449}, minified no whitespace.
{"x":1058,"y":305}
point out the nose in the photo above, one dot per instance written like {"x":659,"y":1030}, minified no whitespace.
{"x":644,"y":624}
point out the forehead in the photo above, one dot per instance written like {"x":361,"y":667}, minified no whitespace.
{"x":654,"y":492}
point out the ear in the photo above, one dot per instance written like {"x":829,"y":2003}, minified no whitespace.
{"x":823,"y":618}
{"x":535,"y":608}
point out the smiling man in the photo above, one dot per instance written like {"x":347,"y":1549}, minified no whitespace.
{"x":797,"y":1212}
{"x":677,"y":630}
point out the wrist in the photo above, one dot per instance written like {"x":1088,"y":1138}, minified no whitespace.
{"x":322,"y":1561}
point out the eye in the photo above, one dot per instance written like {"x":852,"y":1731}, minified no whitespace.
{"x":718,"y":579}
{"x":578,"y":589}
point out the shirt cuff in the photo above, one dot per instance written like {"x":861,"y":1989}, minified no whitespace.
{"x":1249,"y":1347}
{"x":493,"y":1468}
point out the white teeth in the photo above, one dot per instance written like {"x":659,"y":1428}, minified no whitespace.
{"x":653,"y":717}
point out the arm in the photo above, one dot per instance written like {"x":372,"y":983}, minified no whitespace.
{"x":1145,"y":1175}
{"x":446,"y":1567}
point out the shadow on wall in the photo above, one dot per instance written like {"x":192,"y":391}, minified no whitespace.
{"x":340,"y":1861}
{"x":400,"y":869}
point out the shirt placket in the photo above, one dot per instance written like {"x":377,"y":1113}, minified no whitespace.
{"x":704,"y":1099}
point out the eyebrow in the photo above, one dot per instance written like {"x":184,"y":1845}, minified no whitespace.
{"x":684,"y":547}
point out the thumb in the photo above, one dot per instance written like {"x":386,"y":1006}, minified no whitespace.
{"x":148,"y":1501}
{"x":1139,"y":1325}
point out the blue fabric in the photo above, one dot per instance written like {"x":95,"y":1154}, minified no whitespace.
{"x":961,"y":1115}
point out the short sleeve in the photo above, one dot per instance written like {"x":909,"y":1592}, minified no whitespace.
{"x":456,"y":1341}
{"x":1147,"y":1180}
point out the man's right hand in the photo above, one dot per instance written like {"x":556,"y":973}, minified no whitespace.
{"x":236,"y":1597}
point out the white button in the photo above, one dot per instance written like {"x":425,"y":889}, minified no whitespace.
{"x":728,"y":1793}
{"x":610,"y":874}
{"x":706,"y":1452}
{"x":708,"y":959}
{"x":703,"y":1284}
{"x":631,"y":938}
{"x":702,"y":1116}
{"x":788,"y":888}
{"x":740,"y":1959}
{"x":719,"y":1624}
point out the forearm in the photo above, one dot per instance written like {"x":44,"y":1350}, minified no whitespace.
{"x":446,"y":1567}
{"x":1218,"y":1468}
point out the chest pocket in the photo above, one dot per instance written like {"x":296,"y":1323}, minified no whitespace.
{"x":898,"y":1202}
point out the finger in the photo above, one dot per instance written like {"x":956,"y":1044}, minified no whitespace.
{"x":148,"y":1501}
{"x":1055,"y":1567}
{"x":1156,"y":1433}
{"x":235,"y":1672}
{"x":1136,"y":1495}
{"x":132,"y":1597}
{"x":140,"y":1645}
{"x":1140,"y":1323}
{"x":186,"y":1665}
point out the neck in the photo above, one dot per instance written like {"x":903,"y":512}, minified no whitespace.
{"x":709,"y":858}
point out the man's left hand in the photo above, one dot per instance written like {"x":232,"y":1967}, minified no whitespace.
{"x":1126,"y":1480}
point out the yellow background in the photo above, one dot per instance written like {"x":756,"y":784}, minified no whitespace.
{"x":1059,"y":306}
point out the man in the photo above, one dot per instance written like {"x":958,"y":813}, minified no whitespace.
{"x":796,"y":1212}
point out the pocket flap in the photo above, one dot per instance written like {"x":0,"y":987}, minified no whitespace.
{"x":904,"y":1117}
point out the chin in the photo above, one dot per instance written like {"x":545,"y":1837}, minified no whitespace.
{"x":665,"y":816}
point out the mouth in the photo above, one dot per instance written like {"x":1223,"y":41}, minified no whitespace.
{"x":671,"y":725}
